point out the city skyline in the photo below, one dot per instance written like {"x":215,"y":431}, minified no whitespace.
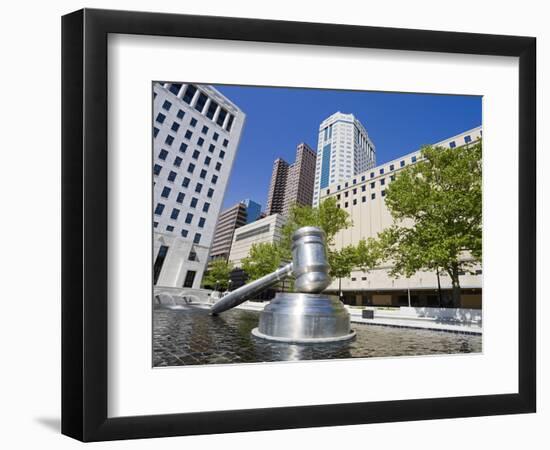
{"x":280,"y":118}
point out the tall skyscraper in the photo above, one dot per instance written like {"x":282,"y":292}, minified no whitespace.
{"x":344,"y":149}
{"x":277,"y":187}
{"x":292,"y":183}
{"x":242,"y":213}
{"x":300,"y":179}
{"x":196,"y":133}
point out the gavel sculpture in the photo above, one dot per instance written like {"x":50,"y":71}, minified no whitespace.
{"x":307,"y":315}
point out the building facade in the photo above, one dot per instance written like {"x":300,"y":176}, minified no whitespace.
{"x":344,"y":149}
{"x":300,"y":179}
{"x":196,"y":134}
{"x":266,"y":230}
{"x":362,"y":196}
{"x":229,"y":220}
{"x":292,"y":183}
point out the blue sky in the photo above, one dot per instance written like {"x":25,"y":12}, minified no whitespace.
{"x":278,"y":119}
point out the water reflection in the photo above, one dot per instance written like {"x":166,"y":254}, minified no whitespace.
{"x":191,"y":336}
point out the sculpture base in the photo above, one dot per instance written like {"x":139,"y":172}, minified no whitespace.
{"x":304,"y":319}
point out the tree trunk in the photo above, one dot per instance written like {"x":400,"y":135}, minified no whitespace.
{"x":453,"y":273}
{"x":340,"y":288}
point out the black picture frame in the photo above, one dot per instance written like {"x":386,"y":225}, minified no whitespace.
{"x":84,"y":224}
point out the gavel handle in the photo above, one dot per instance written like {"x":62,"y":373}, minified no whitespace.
{"x":247,"y":291}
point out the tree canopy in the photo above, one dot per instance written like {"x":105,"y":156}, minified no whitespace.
{"x":218,"y":274}
{"x":437,"y":211}
{"x":262,"y":259}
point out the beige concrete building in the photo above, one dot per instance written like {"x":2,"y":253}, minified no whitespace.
{"x":267,"y":230}
{"x":362,"y":196}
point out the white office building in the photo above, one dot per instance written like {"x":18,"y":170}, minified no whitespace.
{"x":196,"y":133}
{"x":344,"y":149}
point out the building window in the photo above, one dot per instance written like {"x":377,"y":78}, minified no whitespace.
{"x":363,"y":188}
{"x":346,"y":194}
{"x":177,"y":161}
{"x":467,"y":139}
{"x":189,"y":93}
{"x":202,"y":221}
{"x":194,"y":202}
{"x":230,"y":122}
{"x":354,"y":191}
{"x":188,"y":134}
{"x":346,"y":185}
{"x":201,"y":101}
{"x":196,"y":154}
{"x":183,"y":147}
{"x":372,"y":174}
{"x":382,"y":182}
{"x":364,"y":199}
{"x":172,"y":175}
{"x":211,"y":148}
{"x":206,"y":207}
{"x":163,"y":154}
{"x":200,"y":142}
{"x":338,"y":187}
{"x":383,"y":193}
{"x":413,"y":159}
{"x":192,"y":255}
{"x":197,"y":238}
{"x":392,"y":167}
{"x":188,"y":218}
{"x":165,"y":192}
{"x":222,"y":154}
{"x":225,"y":142}
{"x":185,"y":182}
{"x":198,"y":188}
{"x":203,"y":173}
{"x":207,"y":161}
{"x":373,"y":196}
{"x":159,"y":209}
{"x":392,"y":178}
{"x":166,"y":105}
{"x":382,"y":171}
{"x":175,"y":126}
{"x":181,"y":113}
{"x":180,"y":197}
{"x":338,"y":197}
{"x":193,"y":122}
{"x":189,"y":278}
{"x":363,"y":178}
{"x":354,"y":181}
{"x":452,"y":144}
{"x":328,"y":191}
{"x":169,"y":228}
{"x":184,"y":232}
{"x":214,"y":179}
{"x":155,"y":224}
{"x":190,"y":167}
{"x":402,"y":163}
{"x":175,"y":213}
{"x":204,"y":129}
{"x":355,"y":201}
{"x":160,"y":118}
{"x":211,"y":109}
{"x":221,"y":117}
{"x":346,"y":205}
{"x":215,"y":136}
{"x":218,"y":166}
{"x":210,"y":193}
{"x":372,"y":185}
{"x":155,"y":131}
{"x":169,"y":139}
{"x":175,"y":88}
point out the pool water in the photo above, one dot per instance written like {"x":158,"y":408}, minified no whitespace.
{"x":190,"y":336}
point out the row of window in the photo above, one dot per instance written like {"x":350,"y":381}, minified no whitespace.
{"x":159,"y":209}
{"x":157,"y":168}
{"x":184,"y":233}
{"x":200,"y":104}
{"x":363,"y":199}
{"x":178,"y":160}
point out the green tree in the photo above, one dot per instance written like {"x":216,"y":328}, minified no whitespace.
{"x":326,"y":216}
{"x":262,"y":259}
{"x":218,"y":274}
{"x":342,"y":263}
{"x":436,"y":207}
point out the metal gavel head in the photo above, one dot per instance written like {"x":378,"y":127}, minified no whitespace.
{"x":309,"y":260}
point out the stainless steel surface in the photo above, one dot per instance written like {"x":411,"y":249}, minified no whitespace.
{"x":309,"y":266}
{"x":304,"y":318}
{"x":310,"y":260}
{"x":247,"y":291}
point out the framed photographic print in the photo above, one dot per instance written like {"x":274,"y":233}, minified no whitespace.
{"x":273,"y":224}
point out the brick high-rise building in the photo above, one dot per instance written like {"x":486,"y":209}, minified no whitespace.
{"x":292,"y":183}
